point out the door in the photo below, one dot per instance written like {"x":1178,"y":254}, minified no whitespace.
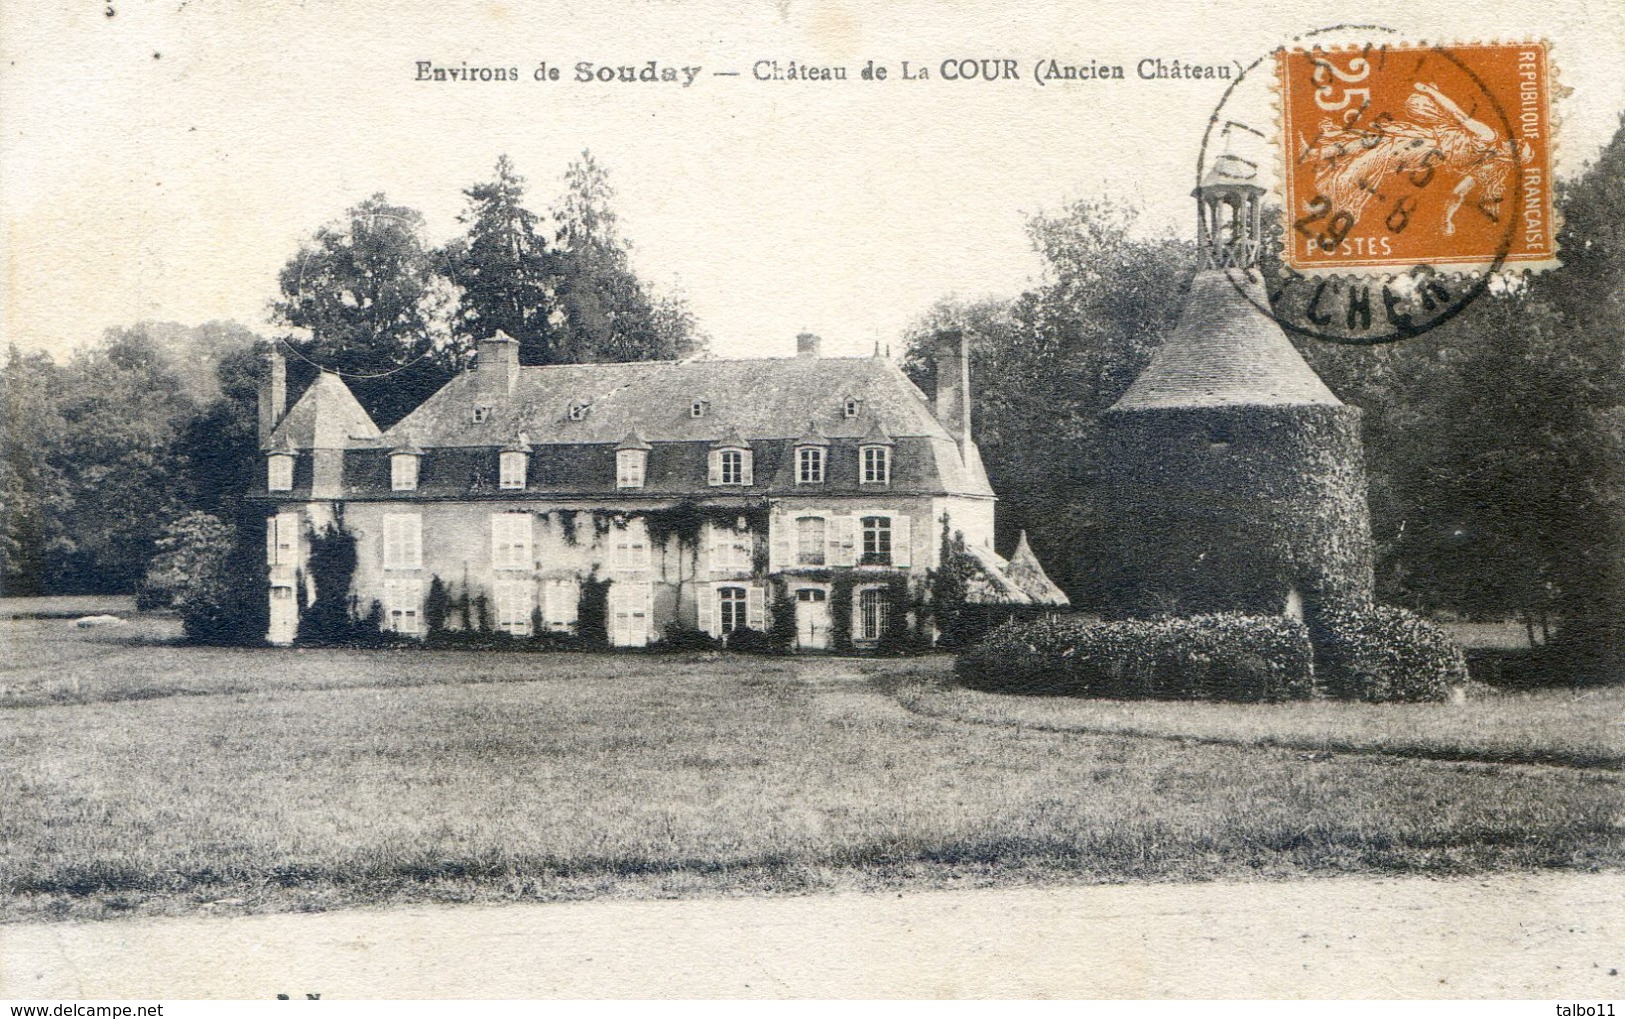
{"x":812,"y":618}
{"x":284,"y":615}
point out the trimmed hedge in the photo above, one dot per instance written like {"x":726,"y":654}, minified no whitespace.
{"x":1224,"y":656}
{"x":1382,"y":653}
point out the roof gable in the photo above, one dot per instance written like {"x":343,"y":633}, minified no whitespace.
{"x":326,"y":416}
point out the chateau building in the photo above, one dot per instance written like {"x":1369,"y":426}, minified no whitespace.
{"x":710,"y":494}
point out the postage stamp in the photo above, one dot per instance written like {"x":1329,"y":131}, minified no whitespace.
{"x":1404,"y":156}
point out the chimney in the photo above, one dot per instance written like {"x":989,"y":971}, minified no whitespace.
{"x":953,"y":384}
{"x":497,"y":365}
{"x":807,"y":345}
{"x":273,"y":395}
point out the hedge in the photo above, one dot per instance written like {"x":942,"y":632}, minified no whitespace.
{"x":1223,"y":656}
{"x":1382,"y":653}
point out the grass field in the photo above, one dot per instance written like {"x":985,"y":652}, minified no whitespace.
{"x":141,"y":778}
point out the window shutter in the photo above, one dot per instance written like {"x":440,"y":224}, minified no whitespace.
{"x":748,"y":466}
{"x":706,"y":598}
{"x":781,"y":547}
{"x":392,"y":543}
{"x":841,"y":548}
{"x":714,"y":463}
{"x":755,"y":608}
{"x":270,"y":540}
{"x":414,"y":542}
{"x":713,"y":547}
{"x":902,"y":552}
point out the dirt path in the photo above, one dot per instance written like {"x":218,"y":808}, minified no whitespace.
{"x":1522,"y":936}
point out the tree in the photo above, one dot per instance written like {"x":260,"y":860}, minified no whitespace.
{"x":32,"y":487}
{"x":374,"y":301}
{"x":1045,"y":365}
{"x":504,"y":269}
{"x":606,"y":312}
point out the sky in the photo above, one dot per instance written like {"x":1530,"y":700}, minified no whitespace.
{"x":162,"y":160}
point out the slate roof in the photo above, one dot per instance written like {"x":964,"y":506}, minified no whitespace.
{"x":1025,"y":572}
{"x":1225,"y":352}
{"x":765,"y":398}
{"x":327,"y":416}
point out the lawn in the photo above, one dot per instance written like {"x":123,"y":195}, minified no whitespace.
{"x":141,"y":779}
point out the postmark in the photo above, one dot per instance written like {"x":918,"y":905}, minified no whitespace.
{"x":1404,"y":156}
{"x":1359,"y":285}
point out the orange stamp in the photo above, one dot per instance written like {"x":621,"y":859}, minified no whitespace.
{"x":1400,"y":156}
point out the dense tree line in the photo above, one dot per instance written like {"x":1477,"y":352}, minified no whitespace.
{"x":144,"y":442}
{"x":1495,"y":444}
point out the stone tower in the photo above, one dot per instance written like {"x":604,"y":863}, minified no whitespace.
{"x":1236,"y":478}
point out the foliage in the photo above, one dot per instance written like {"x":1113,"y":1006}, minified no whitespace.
{"x":782,"y":629}
{"x":224,"y":601}
{"x":1044,"y":366}
{"x":191,"y":553}
{"x":592,"y":612}
{"x":950,"y":586}
{"x":678,"y":637}
{"x":371,"y":296}
{"x":1228,"y":509}
{"x":332,"y":617}
{"x":503,"y":269}
{"x":1384,"y":653}
{"x":436,"y":606}
{"x":1223,"y":656}
{"x":840,"y":611}
{"x":748,"y":641}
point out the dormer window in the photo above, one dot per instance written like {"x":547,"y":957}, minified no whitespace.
{"x":629,"y":467}
{"x":279,"y":472}
{"x":403,"y":472}
{"x":810,"y":465}
{"x":481,"y":412}
{"x":696,"y":409}
{"x":851,"y":407}
{"x":578,"y":410}
{"x":875,"y":465}
{"x":512,"y":466}
{"x":731,"y":460}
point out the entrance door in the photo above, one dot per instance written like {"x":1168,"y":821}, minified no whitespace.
{"x":284,"y":615}
{"x":812,"y":618}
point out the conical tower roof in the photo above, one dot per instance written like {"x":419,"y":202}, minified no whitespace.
{"x":1025,"y":572}
{"x":1225,"y":352}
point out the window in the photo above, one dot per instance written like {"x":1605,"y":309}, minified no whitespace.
{"x":512,"y":465}
{"x":560,"y":602}
{"x":730,"y":551}
{"x":578,"y":410}
{"x":810,"y":537}
{"x":629,"y":465}
{"x":731,"y":467}
{"x":876,"y":465}
{"x":810,"y":465}
{"x":279,"y":476}
{"x":402,"y":604}
{"x":696,"y":409}
{"x":873,"y":612}
{"x":403,"y":541}
{"x":631,"y":554}
{"x":876,"y":541}
{"x":282,"y":540}
{"x":403,"y":472}
{"x":481,"y":413}
{"x":514,"y":605}
{"x":731,"y":612}
{"x":510,"y":541}
{"x":851,"y":407}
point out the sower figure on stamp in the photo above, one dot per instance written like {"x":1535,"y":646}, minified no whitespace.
{"x":1439,"y":136}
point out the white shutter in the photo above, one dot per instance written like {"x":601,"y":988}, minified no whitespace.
{"x":270,"y":540}
{"x":748,"y":466}
{"x":713,"y":550}
{"x":705,"y":596}
{"x":842,"y":554}
{"x":902,"y":546}
{"x":781,"y":545}
{"x":392,"y":542}
{"x":714,"y":467}
{"x":414,"y":542}
{"x":755,"y":608}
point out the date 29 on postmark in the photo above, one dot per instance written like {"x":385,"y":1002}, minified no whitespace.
{"x":1405,"y":156}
